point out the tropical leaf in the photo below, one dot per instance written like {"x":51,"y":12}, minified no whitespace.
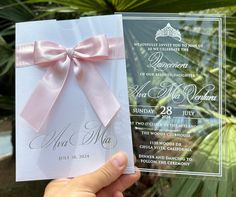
{"x":6,"y":106}
{"x":220,"y":186}
{"x":109,"y":6}
{"x":15,"y":11}
{"x":82,"y":5}
{"x":169,"y":6}
{"x":6,"y":103}
{"x":6,"y":61}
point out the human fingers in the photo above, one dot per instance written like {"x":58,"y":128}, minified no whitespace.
{"x":104,"y":176}
{"x":121,"y":184}
{"x":54,"y":186}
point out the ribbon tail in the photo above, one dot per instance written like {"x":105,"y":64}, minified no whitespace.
{"x":40,"y":103}
{"x":98,"y":93}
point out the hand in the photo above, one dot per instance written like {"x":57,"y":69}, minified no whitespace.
{"x":107,"y":181}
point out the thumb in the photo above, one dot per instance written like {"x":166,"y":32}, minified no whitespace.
{"x":105,"y":175}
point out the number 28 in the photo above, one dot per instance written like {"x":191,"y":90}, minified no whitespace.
{"x":166,"y":110}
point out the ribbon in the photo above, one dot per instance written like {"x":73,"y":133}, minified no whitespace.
{"x":58,"y":59}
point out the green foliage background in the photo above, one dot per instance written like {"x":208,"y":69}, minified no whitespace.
{"x":12,"y":11}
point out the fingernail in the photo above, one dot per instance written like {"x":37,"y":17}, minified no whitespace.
{"x":119,"y":160}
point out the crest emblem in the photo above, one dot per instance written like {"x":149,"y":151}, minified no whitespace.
{"x":168,"y":31}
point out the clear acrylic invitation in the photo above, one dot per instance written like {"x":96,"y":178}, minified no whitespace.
{"x":174,"y":68}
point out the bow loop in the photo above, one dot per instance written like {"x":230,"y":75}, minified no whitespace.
{"x":92,"y":49}
{"x":46,"y":52}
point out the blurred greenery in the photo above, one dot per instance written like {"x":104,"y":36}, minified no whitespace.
{"x":12,"y":11}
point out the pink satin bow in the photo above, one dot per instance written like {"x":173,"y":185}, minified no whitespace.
{"x":58,"y":60}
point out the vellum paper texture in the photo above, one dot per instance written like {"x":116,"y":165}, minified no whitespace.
{"x":73,"y":142}
{"x":174,"y":67}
